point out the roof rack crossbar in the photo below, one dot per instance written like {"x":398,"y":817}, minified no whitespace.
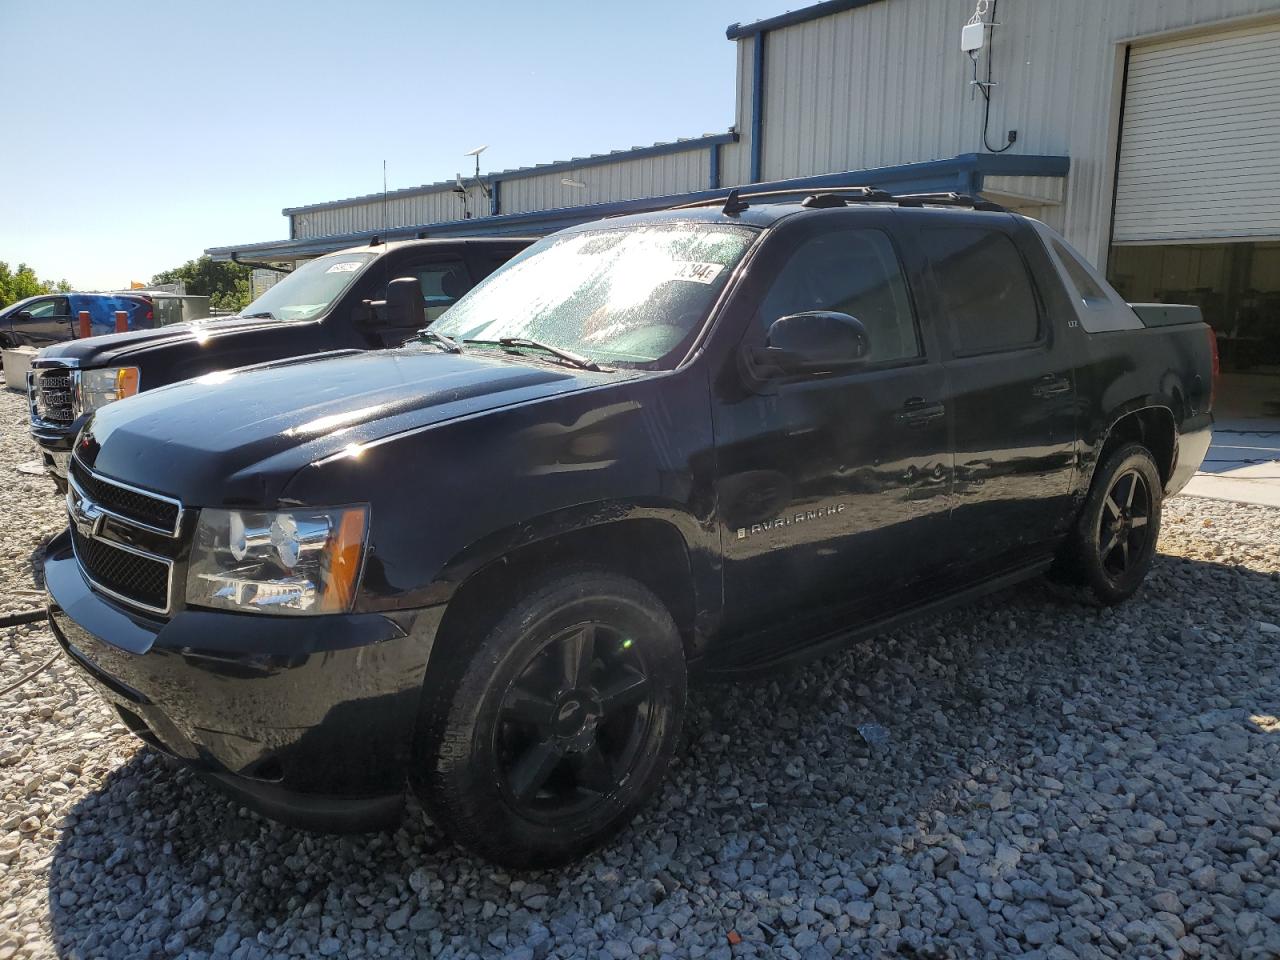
{"x":859,"y":190}
{"x":950,"y":198}
{"x":858,"y":193}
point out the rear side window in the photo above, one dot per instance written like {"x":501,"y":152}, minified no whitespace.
{"x":854,"y":272}
{"x":985,"y":289}
{"x":1085,"y":285}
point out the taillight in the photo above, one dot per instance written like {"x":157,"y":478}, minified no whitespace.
{"x":150,"y":316}
{"x":1217,"y":365}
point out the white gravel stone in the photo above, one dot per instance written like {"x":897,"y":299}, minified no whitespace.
{"x":1053,"y":776}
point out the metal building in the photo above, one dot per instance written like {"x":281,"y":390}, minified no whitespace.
{"x":1148,"y":131}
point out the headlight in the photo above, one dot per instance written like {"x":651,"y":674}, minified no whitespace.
{"x":100,"y":387}
{"x":287,"y":561}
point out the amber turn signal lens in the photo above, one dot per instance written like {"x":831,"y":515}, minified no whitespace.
{"x":343,"y":561}
{"x":127,"y":380}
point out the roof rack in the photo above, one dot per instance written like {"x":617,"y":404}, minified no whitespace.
{"x":736,"y":201}
{"x":948,"y":198}
{"x":859,"y":192}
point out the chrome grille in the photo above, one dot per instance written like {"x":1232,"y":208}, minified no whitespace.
{"x":52,"y":393}
{"x":128,"y":575}
{"x":125,"y":539}
{"x":160,"y":514}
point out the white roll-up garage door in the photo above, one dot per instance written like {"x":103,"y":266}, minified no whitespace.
{"x":1200,"y":146}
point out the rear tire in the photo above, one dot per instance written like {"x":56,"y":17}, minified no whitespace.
{"x":1114,"y":541}
{"x":558,"y":725}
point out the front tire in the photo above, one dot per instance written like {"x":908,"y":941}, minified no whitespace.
{"x":557,"y":726}
{"x":1114,"y":542}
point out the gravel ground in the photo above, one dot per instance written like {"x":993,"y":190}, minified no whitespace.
{"x":1031,"y":775}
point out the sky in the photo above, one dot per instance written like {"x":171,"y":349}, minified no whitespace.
{"x":140,"y":133}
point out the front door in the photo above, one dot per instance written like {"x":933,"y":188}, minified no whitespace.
{"x":42,"y":322}
{"x":1013,"y":396}
{"x":832,"y":489}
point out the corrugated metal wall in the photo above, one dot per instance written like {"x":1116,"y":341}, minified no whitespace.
{"x":887,"y":83}
{"x":1200,"y":151}
{"x":657,"y":176}
{"x":371,"y":215}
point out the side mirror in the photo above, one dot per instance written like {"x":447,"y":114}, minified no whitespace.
{"x":22,"y":315}
{"x":818,"y":341}
{"x":403,"y":306}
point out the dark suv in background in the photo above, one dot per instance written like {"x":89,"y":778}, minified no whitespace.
{"x":336,"y":302}
{"x":715,"y":438}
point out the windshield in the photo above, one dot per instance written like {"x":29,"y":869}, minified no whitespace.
{"x":308,"y":291}
{"x":622,"y":296}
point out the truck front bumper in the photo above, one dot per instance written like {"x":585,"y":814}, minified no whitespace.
{"x":308,"y":720}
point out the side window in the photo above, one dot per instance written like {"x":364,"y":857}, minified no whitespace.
{"x":985,"y":289}
{"x":43,"y":309}
{"x":853,"y":271}
{"x":443,"y":283}
{"x":1086,"y":287}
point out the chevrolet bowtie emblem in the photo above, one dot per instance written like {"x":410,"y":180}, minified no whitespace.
{"x":85,"y":514}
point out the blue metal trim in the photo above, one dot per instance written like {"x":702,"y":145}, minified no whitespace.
{"x":494,"y":191}
{"x":736,"y":31}
{"x":713,"y":175}
{"x":963,"y":173}
{"x":757,"y":108}
{"x":519,"y":173}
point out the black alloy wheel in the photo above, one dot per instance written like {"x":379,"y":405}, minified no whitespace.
{"x":1114,"y":541}
{"x":542,"y":735}
{"x":572,"y":724}
{"x":1125,"y":523}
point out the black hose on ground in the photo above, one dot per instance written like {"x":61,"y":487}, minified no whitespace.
{"x":27,"y":616}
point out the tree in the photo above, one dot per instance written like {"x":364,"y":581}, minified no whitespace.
{"x":225,"y":284}
{"x":22,"y":283}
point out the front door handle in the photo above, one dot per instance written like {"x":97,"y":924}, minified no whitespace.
{"x":1051,"y":386}
{"x":918,"y":411}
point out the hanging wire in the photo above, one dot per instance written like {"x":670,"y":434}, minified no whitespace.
{"x":984,"y":86}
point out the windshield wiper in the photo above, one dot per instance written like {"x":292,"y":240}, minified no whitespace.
{"x":579,"y":361}
{"x":264,"y":315}
{"x":447,"y":344}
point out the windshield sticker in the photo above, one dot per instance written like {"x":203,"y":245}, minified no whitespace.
{"x":696,"y":271}
{"x":346,"y":266}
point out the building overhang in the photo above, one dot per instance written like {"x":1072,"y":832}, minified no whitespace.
{"x":963,"y":174}
{"x":736,"y":31}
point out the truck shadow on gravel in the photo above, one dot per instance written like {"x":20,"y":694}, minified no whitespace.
{"x":1017,"y":691}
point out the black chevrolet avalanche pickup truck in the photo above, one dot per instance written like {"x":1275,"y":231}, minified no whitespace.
{"x":331,"y":303}
{"x":715,"y":438}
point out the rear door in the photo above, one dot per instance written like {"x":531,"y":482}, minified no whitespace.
{"x":1012,"y":393}
{"x":832,"y":490}
{"x":41,"y":322}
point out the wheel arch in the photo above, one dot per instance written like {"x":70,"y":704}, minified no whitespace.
{"x":1152,"y":424}
{"x":653,"y":547}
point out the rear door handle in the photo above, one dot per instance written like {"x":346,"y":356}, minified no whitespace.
{"x":1051,"y":386}
{"x":917,"y":411}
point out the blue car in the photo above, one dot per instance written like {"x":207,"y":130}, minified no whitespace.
{"x":54,"y":317}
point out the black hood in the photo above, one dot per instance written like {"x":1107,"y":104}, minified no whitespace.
{"x":120,"y":348}
{"x":235,"y":437}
